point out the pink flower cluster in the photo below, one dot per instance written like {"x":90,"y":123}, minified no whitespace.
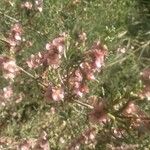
{"x":54,"y":93}
{"x":98,"y":114}
{"x":14,"y":38}
{"x":93,"y":63}
{"x":51,"y":56}
{"x":130,"y":109}
{"x":7,"y":92}
{"x":9,"y":67}
{"x":6,"y":95}
{"x":76,"y":82}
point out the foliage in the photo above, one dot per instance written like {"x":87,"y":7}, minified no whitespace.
{"x":62,"y":86}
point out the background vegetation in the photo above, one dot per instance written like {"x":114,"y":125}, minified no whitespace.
{"x":123,"y":25}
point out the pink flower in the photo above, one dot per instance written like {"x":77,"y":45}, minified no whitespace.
{"x":76,"y":77}
{"x":98,"y":60}
{"x":15,"y":37}
{"x":16,"y":28}
{"x":59,"y":43}
{"x":57,"y":94}
{"x":130,"y":109}
{"x":6,"y":95}
{"x":93,"y":61}
{"x":50,"y":57}
{"x":87,"y":70}
{"x":16,"y":32}
{"x":9,"y":68}
{"x":37,"y":60}
{"x":7,"y":92}
{"x":53,"y":59}
{"x":99,"y":114}
{"x":51,"y":47}
{"x":31,"y":63}
{"x":54,"y":93}
{"x":80,"y":89}
{"x":98,"y":54}
{"x":78,"y":84}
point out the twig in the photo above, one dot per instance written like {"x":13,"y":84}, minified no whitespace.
{"x":29,"y":74}
{"x":117,"y":61}
{"x":84,"y":104}
{"x":133,"y":117}
{"x":11,"y":18}
{"x":41,"y":84}
{"x":32,"y":76}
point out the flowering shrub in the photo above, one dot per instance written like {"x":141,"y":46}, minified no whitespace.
{"x":61,"y":87}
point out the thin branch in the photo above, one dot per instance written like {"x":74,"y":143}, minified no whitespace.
{"x":117,"y":61}
{"x":132,"y":117}
{"x":41,"y":84}
{"x":32,"y":76}
{"x":84,"y":104}
{"x":29,"y":74}
{"x":9,"y":17}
